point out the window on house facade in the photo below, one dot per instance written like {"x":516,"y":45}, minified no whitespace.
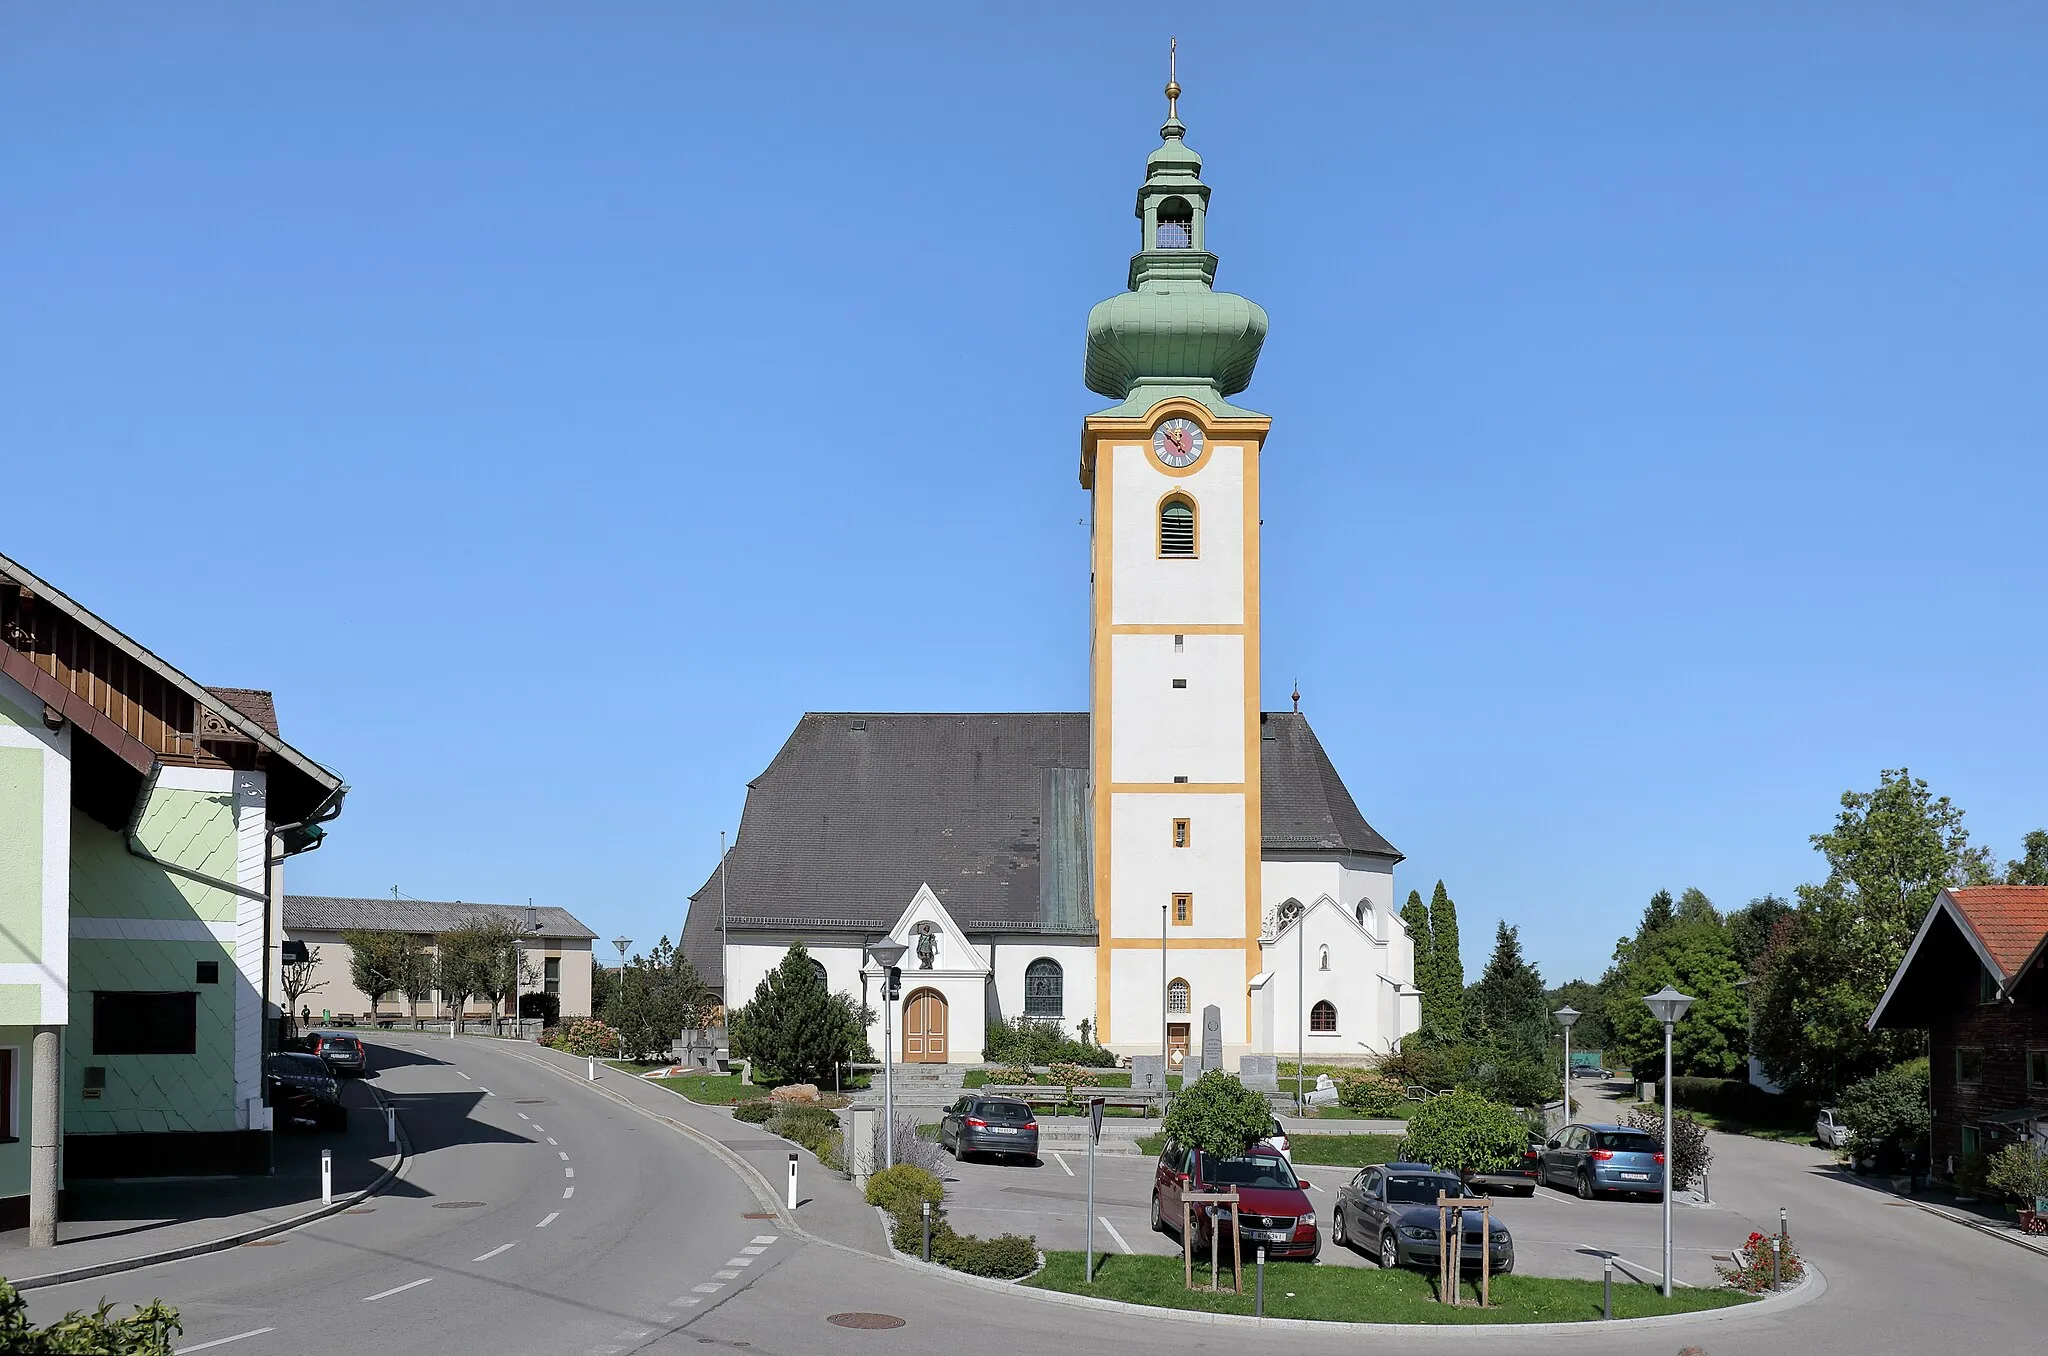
{"x":1969,"y":1064}
{"x":1180,"y":833}
{"x":818,"y":969}
{"x":207,"y":972}
{"x":1183,"y":910}
{"x":1973,"y":1140}
{"x":1177,"y":999}
{"x":1180,"y":682}
{"x":1987,"y":987}
{"x":1323,"y":1017}
{"x":1180,"y":644}
{"x":551,"y":975}
{"x":1177,"y":527}
{"x":1044,"y":988}
{"x":145,"y":1023}
{"x":2037,"y":1068}
{"x":1176,"y":225}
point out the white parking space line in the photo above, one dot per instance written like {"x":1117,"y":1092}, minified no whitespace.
{"x":568,"y":1192}
{"x":502,"y":1247}
{"x":466,"y":1076}
{"x":553,"y":1215}
{"x":1128,"y":1249}
{"x":223,"y":1341}
{"x":1059,"y":1159}
{"x":397,"y":1289}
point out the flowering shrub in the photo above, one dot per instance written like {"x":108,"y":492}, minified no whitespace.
{"x":1008,"y":1074}
{"x":1072,"y":1076}
{"x":586,"y":1036}
{"x":1752,"y":1269}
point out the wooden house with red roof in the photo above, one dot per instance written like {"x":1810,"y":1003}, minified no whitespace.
{"x":1976,"y":979}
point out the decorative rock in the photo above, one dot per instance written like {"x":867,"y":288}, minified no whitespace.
{"x":795,"y":1092}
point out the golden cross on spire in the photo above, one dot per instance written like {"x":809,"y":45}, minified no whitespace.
{"x":1172,"y":77}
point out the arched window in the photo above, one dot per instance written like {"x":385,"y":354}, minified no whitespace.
{"x":1044,"y":988}
{"x":1176,"y":225}
{"x":1177,"y":526}
{"x":818,"y":969}
{"x":1177,"y":999}
{"x":1322,"y":958}
{"x":1364,"y":913}
{"x":1323,"y":1017}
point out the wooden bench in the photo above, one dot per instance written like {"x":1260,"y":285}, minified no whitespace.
{"x":1036,"y":1096}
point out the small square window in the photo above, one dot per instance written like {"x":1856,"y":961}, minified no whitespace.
{"x":1180,"y":833}
{"x":209,"y":972}
{"x":1180,"y":682}
{"x":1969,"y":1065}
{"x":2037,"y":1068}
{"x":1183,"y":910}
{"x":1973,"y":1139}
{"x":1180,"y":644}
{"x":1177,"y":781}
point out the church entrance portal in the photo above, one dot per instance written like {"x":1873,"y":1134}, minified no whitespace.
{"x":924,"y":1028}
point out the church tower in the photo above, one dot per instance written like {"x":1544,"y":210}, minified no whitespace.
{"x":1173,"y":468}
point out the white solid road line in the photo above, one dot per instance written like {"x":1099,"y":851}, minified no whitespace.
{"x":1128,"y":1251}
{"x":553,"y":1215}
{"x":502,"y":1247}
{"x":1062,"y":1162}
{"x":386,"y":1294}
{"x":223,"y":1341}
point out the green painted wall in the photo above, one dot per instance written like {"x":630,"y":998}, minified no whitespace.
{"x":21,"y":852}
{"x":154,"y":1092}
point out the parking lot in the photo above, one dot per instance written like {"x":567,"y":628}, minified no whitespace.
{"x":1555,"y":1233}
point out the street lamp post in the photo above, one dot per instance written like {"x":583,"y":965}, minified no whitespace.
{"x":622,"y":942}
{"x":1566,"y":1015}
{"x":886,"y":954}
{"x":1668,"y":1005}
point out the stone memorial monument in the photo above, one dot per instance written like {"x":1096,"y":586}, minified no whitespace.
{"x":1212,"y":1038}
{"x":1260,"y":1073}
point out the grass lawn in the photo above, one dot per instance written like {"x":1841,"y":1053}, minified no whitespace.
{"x":713,"y":1089}
{"x":1356,"y":1295}
{"x":1727,"y":1125}
{"x":929,"y":1131}
{"x":1345,"y":1113}
{"x":638,"y":1066}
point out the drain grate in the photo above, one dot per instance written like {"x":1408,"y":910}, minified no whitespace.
{"x":870,"y":1321}
{"x":458,"y":1205}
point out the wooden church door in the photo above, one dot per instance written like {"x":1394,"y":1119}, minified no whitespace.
{"x":924,"y":1028}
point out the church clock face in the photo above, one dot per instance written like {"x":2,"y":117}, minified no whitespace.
{"x":1177,"y":442}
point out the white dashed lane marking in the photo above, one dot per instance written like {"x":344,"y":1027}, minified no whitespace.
{"x":726,"y":1275}
{"x":568,"y":1192}
{"x":524,"y":1117}
{"x":753,"y":1252}
{"x":568,"y":1172}
{"x":563,"y":1153}
{"x":466,"y":1077}
{"x":502,"y":1247}
{"x":396,"y":1289}
{"x":766,"y":1238}
{"x":708,"y":1288}
{"x":551,"y":1139}
{"x":553,"y":1215}
{"x":223,"y":1341}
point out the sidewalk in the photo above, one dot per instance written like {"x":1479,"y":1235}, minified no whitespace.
{"x":828,"y":1204}
{"x":116,"y":1224}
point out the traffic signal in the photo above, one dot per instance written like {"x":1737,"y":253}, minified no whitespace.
{"x":895,"y":989}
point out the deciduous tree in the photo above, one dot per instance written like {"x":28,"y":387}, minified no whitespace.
{"x":375,"y":963}
{"x":2032,"y":867}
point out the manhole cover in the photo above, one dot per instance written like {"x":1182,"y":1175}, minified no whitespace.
{"x":757,"y":1214}
{"x":458,"y":1205}
{"x":263,"y":1242}
{"x":865,"y":1321}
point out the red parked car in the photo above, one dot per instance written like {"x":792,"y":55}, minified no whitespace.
{"x":1276,"y":1212}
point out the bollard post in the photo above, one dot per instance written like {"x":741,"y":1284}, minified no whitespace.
{"x":593,"y":1071}
{"x":1782,"y":1232}
{"x":926,"y":1253}
{"x":390,"y":1125}
{"x":1774,"y":1264}
{"x":792,"y":1181}
{"x":1607,"y":1287}
{"x":1259,"y":1285}
{"x":327,"y":1176}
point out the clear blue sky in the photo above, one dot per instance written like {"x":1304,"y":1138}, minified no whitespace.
{"x":553,"y":402}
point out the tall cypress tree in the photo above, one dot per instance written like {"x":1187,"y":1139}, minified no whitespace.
{"x":1447,"y":965}
{"x":1415,"y":916}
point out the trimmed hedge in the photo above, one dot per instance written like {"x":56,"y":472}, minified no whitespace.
{"x":903,"y":1191}
{"x":755,"y":1112}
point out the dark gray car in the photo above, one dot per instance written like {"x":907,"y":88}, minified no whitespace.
{"x":1390,"y":1211}
{"x":989,"y":1125}
{"x":1590,"y":1159}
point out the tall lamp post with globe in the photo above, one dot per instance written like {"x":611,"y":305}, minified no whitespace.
{"x":1567,"y":1015}
{"x":1668,"y":1005}
{"x":622,"y":942}
{"x":887,"y":954}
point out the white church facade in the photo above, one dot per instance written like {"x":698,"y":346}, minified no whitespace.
{"x":1120,"y":870}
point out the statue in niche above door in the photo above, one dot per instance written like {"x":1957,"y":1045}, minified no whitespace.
{"x":927,"y":935}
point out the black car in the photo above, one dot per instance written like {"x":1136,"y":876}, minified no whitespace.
{"x":343,"y":1054}
{"x":302,"y":1088}
{"x":1390,"y":1210}
{"x":989,"y":1125}
{"x":1521,"y":1177}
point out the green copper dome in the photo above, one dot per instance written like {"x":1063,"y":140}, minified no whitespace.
{"x":1172,"y":333}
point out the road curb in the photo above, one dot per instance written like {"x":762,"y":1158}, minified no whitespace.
{"x":1811,"y":1288}
{"x":233,"y":1240}
{"x":1981,"y":1226}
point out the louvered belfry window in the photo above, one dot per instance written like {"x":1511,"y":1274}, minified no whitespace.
{"x":1044,"y":989}
{"x":1177,"y":528}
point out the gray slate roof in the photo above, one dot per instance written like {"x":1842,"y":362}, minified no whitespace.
{"x":329,"y":913}
{"x":857,"y":810}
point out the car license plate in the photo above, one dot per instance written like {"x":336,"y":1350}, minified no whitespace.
{"x":1635,"y":1177}
{"x":1002,"y":1130}
{"x":1266,"y":1235}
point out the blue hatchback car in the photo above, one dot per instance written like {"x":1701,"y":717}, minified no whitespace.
{"x":1591,"y":1159}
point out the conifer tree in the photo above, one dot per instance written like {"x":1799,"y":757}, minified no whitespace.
{"x":1448,"y":967}
{"x":1415,"y":916}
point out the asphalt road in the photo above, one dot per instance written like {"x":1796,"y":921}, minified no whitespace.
{"x":536,"y":1216}
{"x":652,"y":1253}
